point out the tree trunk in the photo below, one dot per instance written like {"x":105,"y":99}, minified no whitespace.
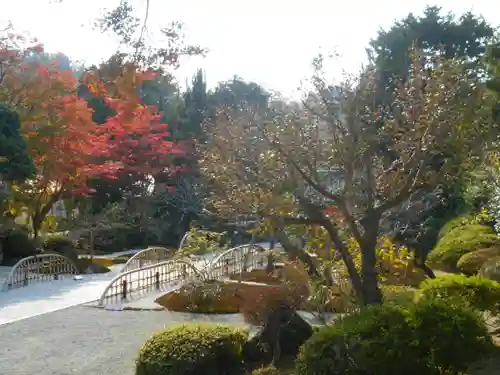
{"x":420,"y":263}
{"x":295,"y":252}
{"x":371,"y":291}
{"x":42,"y":212}
{"x":354,"y":276}
{"x":91,"y":245}
{"x":314,"y":212}
{"x":35,"y":226}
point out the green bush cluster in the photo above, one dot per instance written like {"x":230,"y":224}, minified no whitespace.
{"x":17,"y":244}
{"x":61,"y":245}
{"x":193,"y":350}
{"x":430,"y":337}
{"x":476,"y":291}
{"x":438,"y":329}
{"x":459,"y":241}
{"x":457,"y":222}
{"x":491,"y":269}
{"x":398,"y":294}
{"x":471,"y":263}
{"x":266,"y":370}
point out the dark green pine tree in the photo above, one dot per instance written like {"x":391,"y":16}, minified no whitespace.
{"x":493,"y":83}
{"x":195,"y":106}
{"x":434,"y":33}
{"x":16,"y":164}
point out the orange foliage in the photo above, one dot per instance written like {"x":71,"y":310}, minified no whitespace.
{"x":67,"y":146}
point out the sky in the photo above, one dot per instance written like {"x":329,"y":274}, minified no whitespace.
{"x":271,"y":42}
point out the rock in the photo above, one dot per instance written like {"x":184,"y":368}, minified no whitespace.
{"x":284,"y":325}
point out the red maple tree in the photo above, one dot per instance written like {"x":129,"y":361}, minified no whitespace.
{"x":137,"y":141}
{"x":68,"y":147}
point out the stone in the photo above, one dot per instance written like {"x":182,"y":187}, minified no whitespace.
{"x":284,"y":325}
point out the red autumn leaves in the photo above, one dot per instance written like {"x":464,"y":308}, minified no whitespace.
{"x":67,"y":146}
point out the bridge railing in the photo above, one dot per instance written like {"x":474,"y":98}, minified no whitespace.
{"x":173,"y":273}
{"x":237,"y":260}
{"x":39,"y":268}
{"x":147,"y":257}
{"x":140,"y":281}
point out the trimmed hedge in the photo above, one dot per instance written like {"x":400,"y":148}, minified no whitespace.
{"x":266,"y":370}
{"x":471,"y":263}
{"x":479,"y":292}
{"x":398,"y":295}
{"x":17,"y":244}
{"x":376,"y":340}
{"x":430,"y":337}
{"x":193,"y":350}
{"x":452,"y":336}
{"x":457,"y":222}
{"x":458,"y":242}
{"x":491,"y":269}
{"x":61,"y":245}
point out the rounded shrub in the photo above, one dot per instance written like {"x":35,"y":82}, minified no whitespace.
{"x":211,"y":297}
{"x":457,"y":222}
{"x":398,"y":294}
{"x":193,"y":350}
{"x":85,"y":265}
{"x":376,"y":340}
{"x":61,"y":245}
{"x":266,"y":370}
{"x":491,"y":269}
{"x":17,"y":244}
{"x":479,"y":292}
{"x":471,"y":263}
{"x":452,"y":336}
{"x":458,"y":242}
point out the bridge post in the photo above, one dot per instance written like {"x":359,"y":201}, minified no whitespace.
{"x":184,"y":271}
{"x":157,"y":280}
{"x":124,"y":289}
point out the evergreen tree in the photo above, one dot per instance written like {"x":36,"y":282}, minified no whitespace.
{"x":16,"y":164}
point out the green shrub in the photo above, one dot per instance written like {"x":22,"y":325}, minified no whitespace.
{"x":471,"y":263}
{"x":85,"y":265}
{"x":431,"y":337}
{"x":57,"y":244}
{"x":491,"y":269}
{"x":479,"y":292}
{"x":458,"y":242}
{"x":266,"y":370}
{"x":453,"y":337}
{"x":375,"y":341}
{"x":17,"y":244}
{"x":61,"y":245}
{"x":457,"y":222}
{"x":193,"y":350}
{"x":398,"y":295}
{"x":200,"y":242}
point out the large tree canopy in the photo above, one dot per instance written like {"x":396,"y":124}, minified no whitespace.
{"x":268,"y":165}
{"x":433,"y":33}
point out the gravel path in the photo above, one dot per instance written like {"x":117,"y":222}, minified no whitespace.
{"x":83,"y":341}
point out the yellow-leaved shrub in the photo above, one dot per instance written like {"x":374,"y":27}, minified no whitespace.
{"x":395,"y":264}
